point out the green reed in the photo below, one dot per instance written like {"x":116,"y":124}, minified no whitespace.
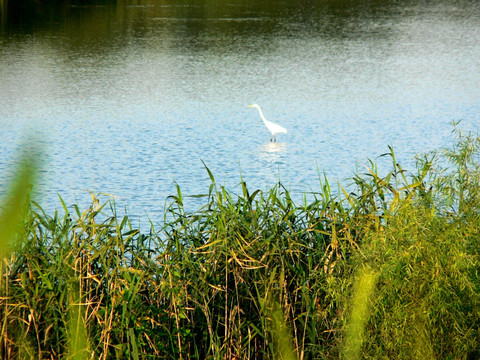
{"x":254,"y":275}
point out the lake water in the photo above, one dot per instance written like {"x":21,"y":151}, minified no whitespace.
{"x":130,"y":98}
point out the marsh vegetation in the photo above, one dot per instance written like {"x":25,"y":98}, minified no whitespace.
{"x":387,"y":267}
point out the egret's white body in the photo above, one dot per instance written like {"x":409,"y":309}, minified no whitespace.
{"x":272,"y":127}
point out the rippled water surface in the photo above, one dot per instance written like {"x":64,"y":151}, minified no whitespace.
{"x":130,"y":99}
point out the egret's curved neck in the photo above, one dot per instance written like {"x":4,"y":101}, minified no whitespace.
{"x":261,"y":114}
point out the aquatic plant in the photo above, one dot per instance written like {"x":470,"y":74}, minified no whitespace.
{"x":385,"y":268}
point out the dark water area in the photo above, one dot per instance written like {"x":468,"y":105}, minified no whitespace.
{"x":130,"y":98}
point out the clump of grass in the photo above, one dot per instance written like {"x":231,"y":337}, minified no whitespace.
{"x":254,"y":275}
{"x":426,"y":253}
{"x":76,"y":286}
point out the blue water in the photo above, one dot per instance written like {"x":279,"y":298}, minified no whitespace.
{"x":131,"y":100}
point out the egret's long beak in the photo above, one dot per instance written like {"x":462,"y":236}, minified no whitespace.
{"x":251,"y":106}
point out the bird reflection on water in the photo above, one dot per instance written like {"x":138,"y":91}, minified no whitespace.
{"x":273,"y":152}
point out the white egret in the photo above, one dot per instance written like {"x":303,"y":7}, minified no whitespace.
{"x":274,"y":128}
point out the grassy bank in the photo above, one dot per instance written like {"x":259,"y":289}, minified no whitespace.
{"x":386,"y":270}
